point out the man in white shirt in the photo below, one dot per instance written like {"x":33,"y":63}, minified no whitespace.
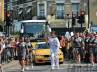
{"x":54,"y":48}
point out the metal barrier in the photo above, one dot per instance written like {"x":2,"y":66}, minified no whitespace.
{"x":82,"y":68}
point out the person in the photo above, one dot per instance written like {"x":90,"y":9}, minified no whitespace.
{"x":29,"y":46}
{"x":63,"y":45}
{"x":78,"y":45}
{"x":13,"y":47}
{"x":54,"y":48}
{"x":1,"y":51}
{"x":92,"y":48}
{"x":22,"y":53}
{"x":68,"y":37}
{"x":95,"y":53}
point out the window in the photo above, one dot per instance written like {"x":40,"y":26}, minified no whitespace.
{"x":60,"y":11}
{"x":41,"y":11}
{"x":75,"y":8}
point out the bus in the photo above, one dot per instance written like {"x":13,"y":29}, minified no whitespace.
{"x":35,"y":28}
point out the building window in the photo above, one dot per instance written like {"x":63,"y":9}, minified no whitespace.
{"x":75,"y":8}
{"x":41,"y":11}
{"x":60,"y":10}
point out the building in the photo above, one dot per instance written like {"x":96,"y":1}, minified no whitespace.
{"x":21,"y":9}
{"x":1,"y":10}
{"x":93,"y":11}
{"x":58,"y":12}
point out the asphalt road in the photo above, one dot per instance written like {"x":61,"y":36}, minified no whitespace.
{"x":63,"y":68}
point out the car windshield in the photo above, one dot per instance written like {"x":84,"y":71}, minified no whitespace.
{"x":42,"y":46}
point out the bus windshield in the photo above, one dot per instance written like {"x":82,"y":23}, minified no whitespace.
{"x":34,"y":27}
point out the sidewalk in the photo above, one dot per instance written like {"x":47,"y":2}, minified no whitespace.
{"x":10,"y":64}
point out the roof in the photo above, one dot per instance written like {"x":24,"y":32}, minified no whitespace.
{"x":34,"y":21}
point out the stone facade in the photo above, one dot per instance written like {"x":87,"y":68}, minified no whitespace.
{"x":56,"y":14}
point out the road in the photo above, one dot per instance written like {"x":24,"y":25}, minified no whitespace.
{"x":63,"y":68}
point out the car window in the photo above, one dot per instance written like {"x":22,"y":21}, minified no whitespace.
{"x":43,"y":46}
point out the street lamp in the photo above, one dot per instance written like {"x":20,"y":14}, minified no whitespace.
{"x":88,"y":13}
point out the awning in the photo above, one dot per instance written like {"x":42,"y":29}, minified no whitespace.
{"x":20,"y":12}
{"x":28,"y":10}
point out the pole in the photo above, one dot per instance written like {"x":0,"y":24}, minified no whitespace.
{"x":6,"y":16}
{"x":88,"y":13}
{"x":81,"y":27}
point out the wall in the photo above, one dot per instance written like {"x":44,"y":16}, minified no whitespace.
{"x":2,"y":10}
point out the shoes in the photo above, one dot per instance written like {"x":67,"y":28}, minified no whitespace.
{"x":27,"y":68}
{"x":53,"y":67}
{"x":23,"y":70}
{"x":92,"y":64}
{"x":32,"y":66}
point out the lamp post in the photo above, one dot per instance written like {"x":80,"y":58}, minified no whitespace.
{"x":88,"y":13}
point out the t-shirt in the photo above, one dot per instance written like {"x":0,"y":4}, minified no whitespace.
{"x":54,"y":44}
{"x":78,"y":42}
{"x":22,"y":47}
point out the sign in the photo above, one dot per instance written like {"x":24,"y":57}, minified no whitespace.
{"x":93,"y":29}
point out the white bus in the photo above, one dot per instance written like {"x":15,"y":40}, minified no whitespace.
{"x":35,"y":27}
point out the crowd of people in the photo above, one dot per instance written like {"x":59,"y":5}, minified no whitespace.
{"x":16,"y":48}
{"x":80,"y":47}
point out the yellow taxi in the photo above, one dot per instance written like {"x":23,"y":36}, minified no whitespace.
{"x":41,"y":53}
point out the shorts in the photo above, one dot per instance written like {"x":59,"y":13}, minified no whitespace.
{"x":22,"y":56}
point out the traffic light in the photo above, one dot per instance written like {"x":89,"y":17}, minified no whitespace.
{"x":81,"y":18}
{"x":73,"y":20}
